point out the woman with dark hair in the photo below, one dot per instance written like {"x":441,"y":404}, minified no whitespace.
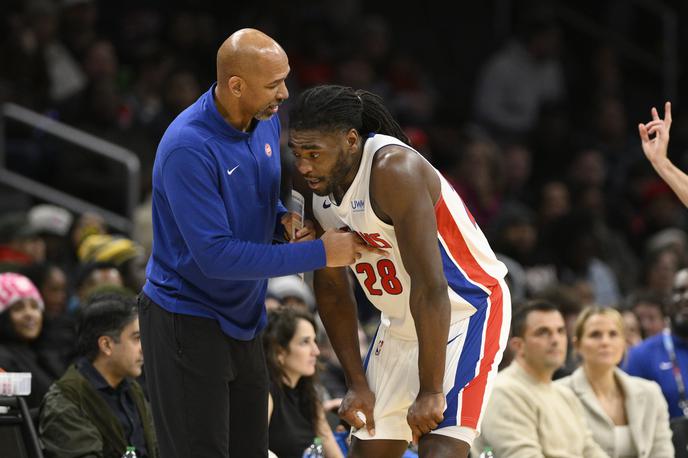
{"x":21,"y":327}
{"x":59,"y":326}
{"x":295,"y":412}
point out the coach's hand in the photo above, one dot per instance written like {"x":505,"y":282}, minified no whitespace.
{"x":344,"y":248}
{"x":359,"y":399}
{"x":425,"y":414}
{"x":290,"y":220}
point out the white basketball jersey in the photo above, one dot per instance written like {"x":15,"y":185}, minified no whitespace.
{"x":470,"y":266}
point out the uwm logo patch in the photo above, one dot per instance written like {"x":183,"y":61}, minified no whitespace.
{"x":358,"y":205}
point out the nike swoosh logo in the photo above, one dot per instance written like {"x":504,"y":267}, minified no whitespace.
{"x":327,"y":204}
{"x":455,"y":337}
{"x":229,"y":172}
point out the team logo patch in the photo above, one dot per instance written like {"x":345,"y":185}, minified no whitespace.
{"x":358,"y":205}
{"x":268,"y":149}
{"x":378,"y":348}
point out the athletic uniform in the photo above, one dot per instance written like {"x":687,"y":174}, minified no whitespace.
{"x":480,"y":307}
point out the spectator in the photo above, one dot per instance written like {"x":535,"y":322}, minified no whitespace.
{"x":96,"y":408}
{"x":672,"y":238}
{"x":570,"y":303}
{"x":477,"y":176}
{"x":84,"y":225}
{"x":649,"y":307}
{"x":51,"y":282}
{"x":59,"y":327}
{"x":575,"y":244}
{"x":515,"y":236}
{"x":521,"y":78}
{"x":632,"y":327}
{"x":659,"y":269}
{"x":52,"y":224}
{"x":91,"y":276}
{"x":128,"y":256}
{"x":627,"y":415}
{"x":81,"y":227}
{"x":295,"y":412}
{"x":64,"y":74}
{"x":527,"y":414}
{"x":20,"y":244}
{"x":292,"y":291}
{"x":21,"y":325}
{"x":664,"y":356}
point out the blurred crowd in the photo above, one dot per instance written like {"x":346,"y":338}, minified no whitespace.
{"x":535,"y":130}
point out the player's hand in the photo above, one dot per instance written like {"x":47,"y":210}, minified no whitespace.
{"x":425,"y":414}
{"x":345,"y":248}
{"x":655,"y":149}
{"x":357,"y":405}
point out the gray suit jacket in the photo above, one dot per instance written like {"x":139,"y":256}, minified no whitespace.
{"x":646,"y":409}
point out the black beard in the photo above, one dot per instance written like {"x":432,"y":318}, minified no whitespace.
{"x":339,"y":171}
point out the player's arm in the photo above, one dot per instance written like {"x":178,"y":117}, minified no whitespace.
{"x":411,"y":209}
{"x":337,"y":308}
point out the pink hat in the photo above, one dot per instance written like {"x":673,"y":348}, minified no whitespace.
{"x":14,"y":287}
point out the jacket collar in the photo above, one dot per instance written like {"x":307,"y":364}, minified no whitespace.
{"x":634,"y":401}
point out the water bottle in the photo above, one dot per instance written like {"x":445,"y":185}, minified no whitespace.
{"x":130,"y":452}
{"x":487,"y":453}
{"x":315,"y":450}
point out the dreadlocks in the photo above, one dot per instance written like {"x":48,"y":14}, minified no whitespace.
{"x":334,"y":108}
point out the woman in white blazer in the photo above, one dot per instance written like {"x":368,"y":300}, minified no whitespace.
{"x":628,"y":415}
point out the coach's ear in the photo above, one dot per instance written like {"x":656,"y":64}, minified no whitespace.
{"x":235,"y":84}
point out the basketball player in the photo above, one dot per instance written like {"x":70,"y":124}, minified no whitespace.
{"x":445,"y":306}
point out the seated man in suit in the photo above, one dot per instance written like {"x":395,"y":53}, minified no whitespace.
{"x":527,"y":414}
{"x":97,"y":408}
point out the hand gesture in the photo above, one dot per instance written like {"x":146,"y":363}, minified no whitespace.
{"x":655,"y":149}
{"x":425,"y":414}
{"x":307,"y":232}
{"x":357,"y":408}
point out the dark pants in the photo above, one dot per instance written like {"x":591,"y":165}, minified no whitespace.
{"x":208,"y":392}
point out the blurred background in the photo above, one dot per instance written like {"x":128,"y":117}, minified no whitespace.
{"x":529,"y":108}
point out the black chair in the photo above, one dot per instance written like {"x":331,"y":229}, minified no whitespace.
{"x":18,"y":438}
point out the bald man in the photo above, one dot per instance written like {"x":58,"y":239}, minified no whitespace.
{"x":216,"y":213}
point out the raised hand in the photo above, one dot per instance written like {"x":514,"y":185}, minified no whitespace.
{"x":655,"y":148}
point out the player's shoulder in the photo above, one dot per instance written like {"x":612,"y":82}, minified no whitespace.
{"x":394,"y":155}
{"x":394,"y":163}
{"x":397,"y":162}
